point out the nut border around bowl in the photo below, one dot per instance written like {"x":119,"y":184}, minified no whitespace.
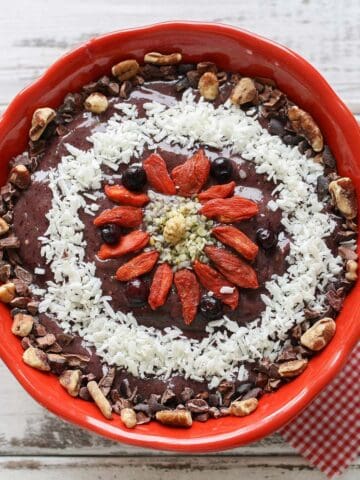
{"x":232,"y":49}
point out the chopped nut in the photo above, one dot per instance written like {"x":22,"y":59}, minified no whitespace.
{"x":343,"y":194}
{"x":351,"y":270}
{"x":96,"y":103}
{"x":4,"y":227}
{"x":241,"y":408}
{"x":243,"y":92}
{"x":319,"y":335}
{"x":125,"y":70}
{"x":22,"y":324}
{"x":209,"y":86}
{"x":7,"y":292}
{"x":128,"y":417}
{"x":292,"y":368}
{"x":46,"y":341}
{"x":71,"y":381}
{"x":347,"y":253}
{"x":174,"y":229}
{"x":20,"y":177}
{"x":99,"y":398}
{"x":156,"y":58}
{"x":303,"y":124}
{"x":40,"y":120}
{"x":174,"y":418}
{"x":36,"y":358}
{"x":203,"y":67}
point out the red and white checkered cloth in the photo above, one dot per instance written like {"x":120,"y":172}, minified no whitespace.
{"x":327,"y":433}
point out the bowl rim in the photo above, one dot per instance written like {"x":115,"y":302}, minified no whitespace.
{"x":169,"y":439}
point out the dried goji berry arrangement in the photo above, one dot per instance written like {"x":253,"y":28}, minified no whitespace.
{"x":189,"y":225}
{"x":217,"y":202}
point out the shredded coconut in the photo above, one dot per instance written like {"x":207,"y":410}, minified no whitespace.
{"x":75,"y":295}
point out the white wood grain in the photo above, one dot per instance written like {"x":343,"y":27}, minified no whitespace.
{"x":34,"y":444}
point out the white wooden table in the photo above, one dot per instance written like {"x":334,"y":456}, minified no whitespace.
{"x":33,"y":33}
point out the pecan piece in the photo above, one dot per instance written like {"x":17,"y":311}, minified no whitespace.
{"x":319,"y":335}
{"x":125,"y":70}
{"x":22,"y":324}
{"x":209,"y":86}
{"x":244,"y":92}
{"x":174,"y":418}
{"x":7,"y":292}
{"x":71,"y":381}
{"x":96,"y":103}
{"x":128,"y":417}
{"x":36,"y":358}
{"x":343,"y":194}
{"x":293,"y":368}
{"x":156,"y":58}
{"x":20,"y":177}
{"x":99,"y":398}
{"x":303,"y":124}
{"x":241,"y":408}
{"x":40,"y":120}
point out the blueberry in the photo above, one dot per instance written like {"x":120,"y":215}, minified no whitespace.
{"x":134,"y":178}
{"x":110,"y":233}
{"x":221,"y":169}
{"x":137,"y":292}
{"x":211,"y":308}
{"x":266,"y":238}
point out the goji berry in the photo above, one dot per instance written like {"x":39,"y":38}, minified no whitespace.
{"x":228,"y":210}
{"x":160,"y":286}
{"x":157,"y":174}
{"x":137,"y":266}
{"x":120,"y":194}
{"x":213,"y":281}
{"x":132,"y":242}
{"x":189,"y":293}
{"x":217,"y":191}
{"x":124,"y":216}
{"x":232,"y":267}
{"x":192,"y":174}
{"x":236,"y":239}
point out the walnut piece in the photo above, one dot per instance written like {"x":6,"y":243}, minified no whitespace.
{"x":22,"y":324}
{"x":20,"y":177}
{"x":209,"y":86}
{"x":99,"y":398}
{"x":243,"y":92}
{"x":175,"y":418}
{"x":241,"y":408}
{"x":319,"y":335}
{"x":303,"y":124}
{"x":71,"y":381}
{"x":292,"y":368}
{"x":96,"y":103}
{"x":174,"y":229}
{"x":128,"y":417}
{"x":7,"y":292}
{"x":125,"y":70}
{"x":40,"y":120}
{"x":36,"y":358}
{"x":343,"y":194}
{"x":156,"y":58}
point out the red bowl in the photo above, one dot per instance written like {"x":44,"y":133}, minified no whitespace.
{"x":232,"y":49}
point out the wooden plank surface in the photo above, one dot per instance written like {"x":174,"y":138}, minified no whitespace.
{"x":34,"y":444}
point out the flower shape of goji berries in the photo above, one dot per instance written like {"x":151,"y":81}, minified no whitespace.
{"x":226,"y":272}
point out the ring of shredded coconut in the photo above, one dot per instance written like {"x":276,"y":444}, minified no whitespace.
{"x":75,"y":295}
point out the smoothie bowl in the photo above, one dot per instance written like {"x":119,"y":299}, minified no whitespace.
{"x":178,"y":236}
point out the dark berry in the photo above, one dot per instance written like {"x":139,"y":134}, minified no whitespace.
{"x":266,"y":238}
{"x":322,"y":187}
{"x":290,"y":139}
{"x":211,"y":308}
{"x":110,"y":233}
{"x":137,"y":292}
{"x":221,"y":169}
{"x":134,"y":178}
